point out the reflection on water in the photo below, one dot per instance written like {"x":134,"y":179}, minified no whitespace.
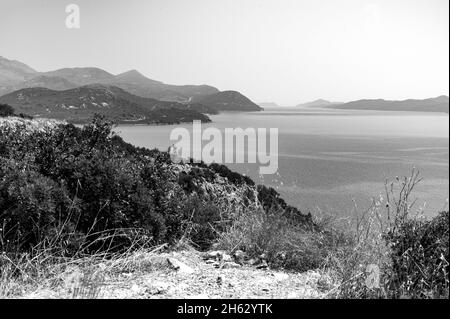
{"x":327,"y":157}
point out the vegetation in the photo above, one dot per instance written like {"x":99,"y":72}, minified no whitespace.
{"x":411,"y":252}
{"x":78,"y":105}
{"x":70,"y":193}
{"x":8,"y":110}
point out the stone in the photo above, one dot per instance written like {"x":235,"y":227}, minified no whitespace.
{"x":252,"y":262}
{"x":157,"y":287}
{"x":211,"y":255}
{"x":263,"y":256}
{"x":179,"y":266}
{"x":215,"y":254}
{"x":226,"y":258}
{"x":230,"y":265}
{"x":240,"y":256}
{"x":262,"y":265}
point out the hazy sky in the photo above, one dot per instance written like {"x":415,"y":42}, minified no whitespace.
{"x":287,"y":51}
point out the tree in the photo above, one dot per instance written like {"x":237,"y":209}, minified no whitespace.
{"x":6,"y":110}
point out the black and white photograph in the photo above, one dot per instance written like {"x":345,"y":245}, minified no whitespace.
{"x":223,"y":155}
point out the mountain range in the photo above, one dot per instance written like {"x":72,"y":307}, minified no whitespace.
{"x":437,"y":104}
{"x":16,"y":76}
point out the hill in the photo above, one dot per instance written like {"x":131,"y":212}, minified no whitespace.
{"x":81,"y":76}
{"x":136,"y":83}
{"x":318,"y":103}
{"x":15,"y":75}
{"x":438,"y":104}
{"x":46,"y":81}
{"x":12,"y":72}
{"x":79,"y":104}
{"x":228,"y":101}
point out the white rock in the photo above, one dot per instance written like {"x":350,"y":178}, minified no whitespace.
{"x":240,"y":256}
{"x":157,"y":287}
{"x":212,"y":254}
{"x":262,"y":265}
{"x":252,"y":262}
{"x":179,"y":266}
{"x":226,"y":257}
{"x":230,"y":265}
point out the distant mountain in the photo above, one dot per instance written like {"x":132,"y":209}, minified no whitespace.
{"x":15,"y":75}
{"x":268,"y":104}
{"x":12,"y":72}
{"x":136,"y":83}
{"x":82,"y":76}
{"x":318,"y":103}
{"x":438,"y":104}
{"x":228,"y":101}
{"x":45,"y":81}
{"x":79,"y":104}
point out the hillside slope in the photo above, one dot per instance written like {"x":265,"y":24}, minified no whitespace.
{"x":79,"y":104}
{"x":12,"y":72}
{"x":228,"y":101}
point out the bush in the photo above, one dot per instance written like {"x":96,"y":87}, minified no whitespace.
{"x":411,"y":252}
{"x":6,"y":110}
{"x":419,"y":255}
{"x":76,"y":187}
{"x":93,"y":183}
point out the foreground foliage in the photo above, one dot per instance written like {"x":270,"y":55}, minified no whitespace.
{"x":68,"y":193}
{"x":73,"y":189}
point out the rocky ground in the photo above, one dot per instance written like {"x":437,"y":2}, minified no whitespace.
{"x":184,"y":274}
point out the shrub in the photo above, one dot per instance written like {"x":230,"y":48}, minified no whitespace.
{"x":233,"y":177}
{"x":419,"y":255}
{"x":81,"y":185}
{"x":411,"y":252}
{"x":6,"y":110}
{"x":99,"y":184}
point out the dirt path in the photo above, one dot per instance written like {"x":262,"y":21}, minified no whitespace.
{"x":186,"y":275}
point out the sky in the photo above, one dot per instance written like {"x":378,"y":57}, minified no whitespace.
{"x":285,"y":51}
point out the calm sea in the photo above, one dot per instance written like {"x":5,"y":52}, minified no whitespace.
{"x":330,"y":158}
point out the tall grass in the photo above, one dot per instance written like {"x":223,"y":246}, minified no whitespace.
{"x":408,"y":253}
